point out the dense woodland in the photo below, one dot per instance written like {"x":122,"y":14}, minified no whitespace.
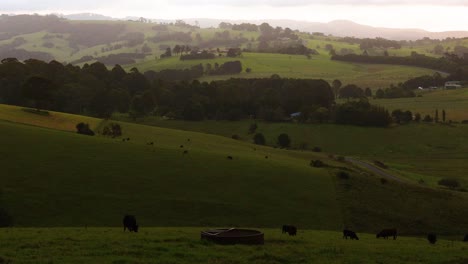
{"x":94,"y":90}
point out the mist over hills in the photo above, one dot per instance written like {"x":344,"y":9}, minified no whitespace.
{"x":340,"y":28}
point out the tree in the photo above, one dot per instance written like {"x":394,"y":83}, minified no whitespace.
{"x":417,"y":117}
{"x":443,"y":115}
{"x":368,"y":92}
{"x":451,"y":183}
{"x":283,"y":140}
{"x":39,"y":90}
{"x":336,"y":85}
{"x":259,"y":139}
{"x":438,"y":49}
{"x":436,"y":118}
{"x":83,"y":128}
{"x":351,"y":91}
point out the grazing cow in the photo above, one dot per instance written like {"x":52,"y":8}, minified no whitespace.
{"x":128,"y":139}
{"x":181,"y":146}
{"x":432,"y":238}
{"x":185,"y":151}
{"x":387,"y":233}
{"x":123,"y":139}
{"x":188,"y":139}
{"x":229,"y":157}
{"x":129,"y":222}
{"x":266,"y":157}
{"x":350,"y":234}
{"x":466,"y":238}
{"x":150,"y":143}
{"x":291,"y":230}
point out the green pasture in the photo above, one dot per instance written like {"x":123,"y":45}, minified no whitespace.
{"x":297,"y":66}
{"x":183,"y":245}
{"x":60,"y":179}
{"x":57,"y":178}
{"x":427,"y":152}
{"x":454,"y":102}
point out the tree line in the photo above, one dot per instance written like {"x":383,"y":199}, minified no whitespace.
{"x":96,"y":91}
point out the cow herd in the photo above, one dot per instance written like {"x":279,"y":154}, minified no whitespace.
{"x":129,"y":222}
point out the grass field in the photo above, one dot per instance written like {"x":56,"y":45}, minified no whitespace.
{"x":63,"y":176}
{"x":425,"y":152}
{"x":183,"y":245}
{"x":454,"y":102}
{"x":58,"y":178}
{"x":296,"y":66}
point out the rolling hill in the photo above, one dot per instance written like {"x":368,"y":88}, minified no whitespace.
{"x":60,"y":178}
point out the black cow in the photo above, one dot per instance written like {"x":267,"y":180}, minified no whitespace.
{"x":432,"y":238}
{"x":185,"y":151}
{"x":387,"y":233}
{"x":350,"y":234}
{"x":181,"y":146}
{"x":229,"y":157}
{"x":129,"y":222}
{"x":466,"y":238}
{"x":291,"y":230}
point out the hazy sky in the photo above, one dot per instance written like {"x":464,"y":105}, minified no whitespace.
{"x":433,"y":15}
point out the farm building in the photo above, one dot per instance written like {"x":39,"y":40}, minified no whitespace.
{"x":452,"y":85}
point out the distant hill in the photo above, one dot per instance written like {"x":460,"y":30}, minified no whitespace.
{"x":339,"y":28}
{"x":87,"y":16}
{"x":343,"y":28}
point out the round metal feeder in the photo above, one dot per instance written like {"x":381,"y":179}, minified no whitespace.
{"x":231,"y":236}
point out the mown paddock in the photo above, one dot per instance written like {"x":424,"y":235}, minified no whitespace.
{"x":454,"y":102}
{"x":183,"y":245}
{"x":297,"y":66}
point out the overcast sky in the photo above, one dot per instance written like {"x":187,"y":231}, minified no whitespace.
{"x":433,"y":15}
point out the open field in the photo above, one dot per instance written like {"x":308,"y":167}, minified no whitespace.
{"x":297,"y":66}
{"x":455,"y":103}
{"x":58,"y":178}
{"x":63,"y":176}
{"x":425,"y":152}
{"x":183,"y":245}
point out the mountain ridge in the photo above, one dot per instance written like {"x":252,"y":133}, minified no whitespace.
{"x":339,"y":28}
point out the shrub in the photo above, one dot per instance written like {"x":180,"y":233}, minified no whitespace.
{"x":451,"y":183}
{"x":112,"y":130}
{"x":284,"y":141}
{"x":235,"y":136}
{"x":342,"y":175}
{"x":83,"y":128}
{"x":317,"y":163}
{"x":317,"y":149}
{"x":383,"y":180}
{"x":259,"y":139}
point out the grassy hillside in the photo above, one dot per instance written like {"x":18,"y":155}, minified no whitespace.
{"x":47,"y":119}
{"x":183,"y":245}
{"x":297,"y":66}
{"x":64,"y":179}
{"x":427,"y":152}
{"x":455,"y":103}
{"x":59,"y":178}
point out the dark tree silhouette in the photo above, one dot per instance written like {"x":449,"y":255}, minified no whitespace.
{"x":39,"y":90}
{"x":284,"y":141}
